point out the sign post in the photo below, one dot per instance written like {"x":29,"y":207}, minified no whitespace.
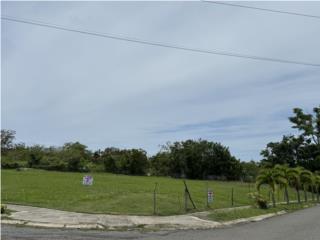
{"x":209,"y":196}
{"x":232,"y":202}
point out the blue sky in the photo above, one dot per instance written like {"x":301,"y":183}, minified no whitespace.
{"x":61,"y":86}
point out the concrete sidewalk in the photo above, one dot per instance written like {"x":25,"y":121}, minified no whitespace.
{"x":43,"y":217}
{"x":50,"y":218}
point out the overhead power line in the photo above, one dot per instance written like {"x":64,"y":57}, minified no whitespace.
{"x":263,"y":9}
{"x":157,"y":44}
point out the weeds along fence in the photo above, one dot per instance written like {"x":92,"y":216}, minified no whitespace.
{"x":190,"y":197}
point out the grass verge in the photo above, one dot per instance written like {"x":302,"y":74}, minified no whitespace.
{"x":223,"y":216}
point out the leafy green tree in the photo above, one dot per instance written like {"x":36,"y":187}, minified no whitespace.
{"x":310,"y":157}
{"x":308,"y":124}
{"x":36,"y":154}
{"x":138,"y":162}
{"x":132,"y":161}
{"x":302,"y":150}
{"x":7,"y":137}
{"x":160,"y":164}
{"x":96,"y":157}
{"x":15,"y":157}
{"x":287,"y":151}
{"x":110,"y":158}
{"x":202,"y":159}
{"x":250,"y":171}
{"x":110,"y":164}
{"x":75,"y":155}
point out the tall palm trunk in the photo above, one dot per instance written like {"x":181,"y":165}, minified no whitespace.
{"x":298,"y":195}
{"x":273,"y":199}
{"x":286,"y":194}
{"x":305,"y":194}
{"x":312,"y":193}
{"x":269,"y":195}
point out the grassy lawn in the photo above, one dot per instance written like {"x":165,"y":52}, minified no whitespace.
{"x":118,"y":194}
{"x":222,"y":216}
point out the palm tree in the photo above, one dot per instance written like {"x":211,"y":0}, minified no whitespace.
{"x":307,"y":180}
{"x":317,"y":186}
{"x":270,"y":177}
{"x":313,"y":186}
{"x":292,"y":177}
{"x":294,"y":181}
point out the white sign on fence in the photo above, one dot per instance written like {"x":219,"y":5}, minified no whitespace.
{"x":210,"y":196}
{"x":87,"y":180}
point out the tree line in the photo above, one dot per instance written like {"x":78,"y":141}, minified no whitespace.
{"x":194,"y":159}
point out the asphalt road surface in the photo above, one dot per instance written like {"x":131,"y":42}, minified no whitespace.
{"x":300,"y":225}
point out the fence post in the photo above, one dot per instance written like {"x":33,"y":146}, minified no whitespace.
{"x":206,"y":195}
{"x":155,"y":199}
{"x":24,"y":195}
{"x":188,"y":195}
{"x":185,"y":200}
{"x":269,"y":195}
{"x":180,"y":206}
{"x":232,"y":197}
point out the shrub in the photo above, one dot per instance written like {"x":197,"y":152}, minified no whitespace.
{"x":160,"y":164}
{"x":3,"y":208}
{"x":258,"y":200}
{"x":9,"y":163}
{"x":95,"y":167}
{"x":128,"y":161}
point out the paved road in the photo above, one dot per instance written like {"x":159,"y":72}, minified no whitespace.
{"x":300,"y":225}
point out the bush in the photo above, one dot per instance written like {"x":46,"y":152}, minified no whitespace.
{"x":9,"y":163}
{"x":52,"y":162}
{"x":128,"y":161}
{"x":95,"y":167}
{"x":199,"y":159}
{"x":3,"y":208}
{"x":160,"y":164}
{"x":258,"y":200}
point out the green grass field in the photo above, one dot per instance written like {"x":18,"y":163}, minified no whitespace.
{"x":117,"y":194}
